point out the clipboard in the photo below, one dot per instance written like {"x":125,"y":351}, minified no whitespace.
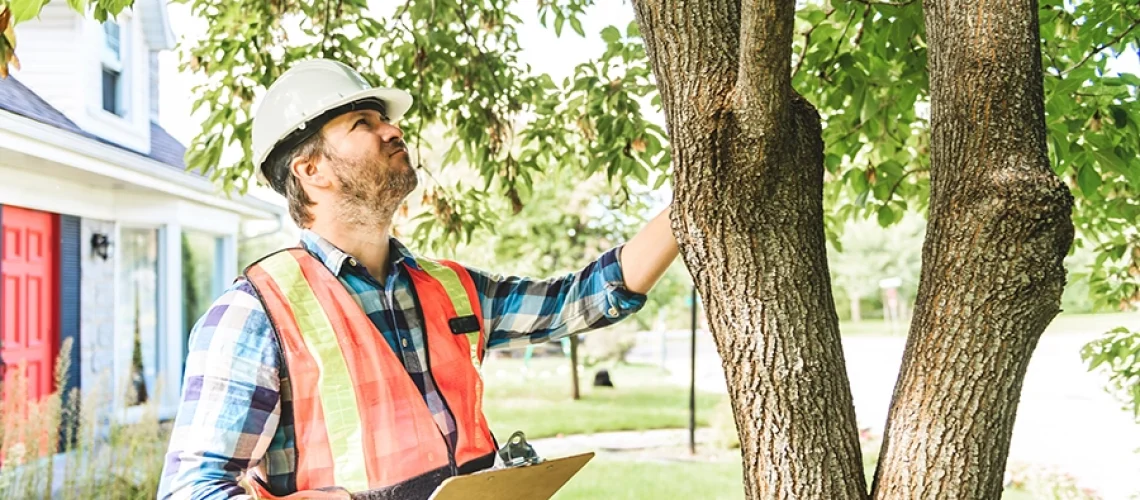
{"x":527,"y":482}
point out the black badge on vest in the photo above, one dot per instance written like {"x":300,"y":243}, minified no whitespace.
{"x":464,"y":324}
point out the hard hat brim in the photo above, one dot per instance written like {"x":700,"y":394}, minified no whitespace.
{"x":397,"y":102}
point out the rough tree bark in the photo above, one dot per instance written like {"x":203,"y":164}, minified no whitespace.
{"x":992,"y":272}
{"x":748,"y":214}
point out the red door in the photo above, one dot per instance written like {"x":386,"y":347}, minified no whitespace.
{"x":28,"y":318}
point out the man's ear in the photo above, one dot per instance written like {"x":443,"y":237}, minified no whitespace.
{"x":309,"y":172}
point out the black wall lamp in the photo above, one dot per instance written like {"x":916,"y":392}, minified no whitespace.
{"x":101,"y":245}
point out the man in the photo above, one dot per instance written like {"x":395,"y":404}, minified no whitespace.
{"x":348,"y":363}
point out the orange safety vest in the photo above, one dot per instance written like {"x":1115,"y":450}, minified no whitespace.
{"x":360,"y":422}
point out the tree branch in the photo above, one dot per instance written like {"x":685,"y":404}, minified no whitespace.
{"x":1101,"y":47}
{"x":895,"y":186}
{"x":807,"y":42}
{"x":862,"y":25}
{"x":873,"y":3}
{"x":325,"y":37}
{"x":764,"y":78}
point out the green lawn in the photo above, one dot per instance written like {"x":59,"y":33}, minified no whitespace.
{"x":613,"y":479}
{"x":537,"y":401}
{"x":618,"y":480}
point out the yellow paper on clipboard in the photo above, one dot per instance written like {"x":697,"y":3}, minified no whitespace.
{"x":530,"y":482}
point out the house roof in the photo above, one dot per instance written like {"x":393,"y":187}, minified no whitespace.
{"x":164,"y":157}
{"x":165,"y":148}
{"x":17,"y":98}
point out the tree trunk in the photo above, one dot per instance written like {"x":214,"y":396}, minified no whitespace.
{"x":748,"y":214}
{"x":575,"y":392}
{"x":992,"y":271}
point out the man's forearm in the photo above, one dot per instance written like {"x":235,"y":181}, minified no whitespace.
{"x":645,"y":258}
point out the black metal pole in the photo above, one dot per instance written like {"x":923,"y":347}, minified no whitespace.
{"x":693,"y":378}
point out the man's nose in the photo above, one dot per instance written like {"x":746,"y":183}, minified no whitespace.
{"x":390,"y":132}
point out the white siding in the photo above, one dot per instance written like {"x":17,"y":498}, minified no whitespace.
{"x":49,"y":59}
{"x":132,"y":131}
{"x":60,"y":56}
{"x":154,"y":90}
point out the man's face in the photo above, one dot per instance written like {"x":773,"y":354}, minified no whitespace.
{"x":369,"y":160}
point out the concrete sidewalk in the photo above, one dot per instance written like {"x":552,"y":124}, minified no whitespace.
{"x":617,"y":442}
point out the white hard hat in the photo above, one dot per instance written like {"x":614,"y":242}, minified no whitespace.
{"x":307,"y":91}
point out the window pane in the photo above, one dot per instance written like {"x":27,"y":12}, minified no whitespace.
{"x":110,"y":91}
{"x":111,"y":38}
{"x":199,"y":264}
{"x":137,"y":311}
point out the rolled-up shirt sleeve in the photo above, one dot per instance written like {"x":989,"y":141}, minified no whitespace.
{"x":519,"y":311}
{"x":230,"y":404}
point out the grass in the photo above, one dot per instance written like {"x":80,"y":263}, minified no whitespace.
{"x":619,"y":480}
{"x":536,"y":400}
{"x":616,"y":479}
{"x":532,"y":398}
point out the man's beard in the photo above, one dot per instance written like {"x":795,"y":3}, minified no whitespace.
{"x":370,"y":190}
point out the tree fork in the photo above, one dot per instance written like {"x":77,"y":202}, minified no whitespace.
{"x":748,"y":160}
{"x":992,"y":267}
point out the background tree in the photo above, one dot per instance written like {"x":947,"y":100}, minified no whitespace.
{"x":864,"y":254}
{"x":762,"y":176}
{"x":569,"y":222}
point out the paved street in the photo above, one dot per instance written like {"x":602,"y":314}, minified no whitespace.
{"x":1065,"y":419}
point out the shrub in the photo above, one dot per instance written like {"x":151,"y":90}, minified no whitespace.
{"x":53,"y":449}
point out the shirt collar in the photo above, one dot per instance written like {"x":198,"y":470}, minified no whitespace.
{"x":334,"y":258}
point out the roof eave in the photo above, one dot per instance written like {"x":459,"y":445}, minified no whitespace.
{"x":178,"y":183}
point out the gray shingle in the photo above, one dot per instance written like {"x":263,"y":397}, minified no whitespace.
{"x":19,"y":99}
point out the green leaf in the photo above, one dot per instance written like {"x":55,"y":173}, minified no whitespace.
{"x":1089,"y":181}
{"x":886,"y":216}
{"x":610,"y":34}
{"x":24,"y":10}
{"x":558,"y":20}
{"x":832,"y":161}
{"x":814,"y":16}
{"x":1108,"y":159}
{"x":1066,"y":87}
{"x":870,"y":107}
{"x":577,"y":25}
{"x":79,"y":6}
{"x":1119,"y":116}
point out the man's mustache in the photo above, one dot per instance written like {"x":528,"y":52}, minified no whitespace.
{"x":397,"y":146}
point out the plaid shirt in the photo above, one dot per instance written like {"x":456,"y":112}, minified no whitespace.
{"x":236,"y":410}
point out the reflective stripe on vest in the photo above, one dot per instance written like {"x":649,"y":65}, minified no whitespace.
{"x":359,"y":420}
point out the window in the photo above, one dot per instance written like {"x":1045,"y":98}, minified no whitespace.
{"x":138,"y":316}
{"x":111,"y":91}
{"x":114,"y":65}
{"x":202,"y":279}
{"x":112,"y":38}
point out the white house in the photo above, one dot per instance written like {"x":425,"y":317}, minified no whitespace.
{"x":107,"y":239}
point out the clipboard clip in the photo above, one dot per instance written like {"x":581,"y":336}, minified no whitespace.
{"x":517,"y":452}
